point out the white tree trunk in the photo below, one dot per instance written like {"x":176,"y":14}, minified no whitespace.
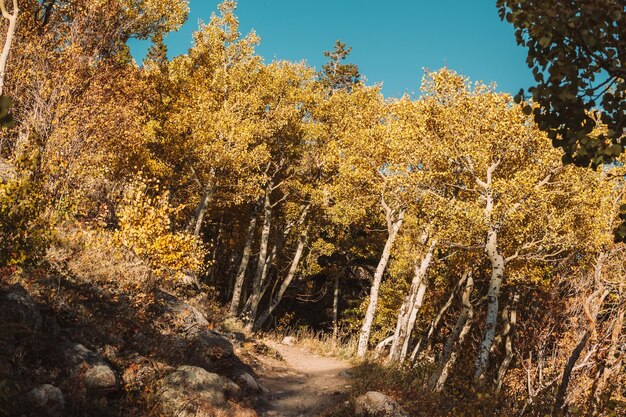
{"x":497,"y":274}
{"x":509,"y":332}
{"x":411,"y":306}
{"x":240,"y":278}
{"x":493,"y":294}
{"x":290,"y":275}
{"x":425,"y":341}
{"x":253,"y":302}
{"x":336,"y":308}
{"x":455,"y":340}
{"x":8,"y":40}
{"x":393,"y":226}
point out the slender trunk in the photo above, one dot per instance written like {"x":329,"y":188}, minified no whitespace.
{"x":255,"y":297}
{"x":591,"y":308}
{"x":336,"y":308}
{"x":411,"y":306}
{"x":613,"y":362}
{"x":612,"y":365}
{"x":509,"y":332}
{"x":277,"y":248}
{"x":491,"y":320}
{"x":381,"y":345}
{"x":290,"y":275}
{"x":455,"y":340}
{"x":216,"y":245}
{"x":425,"y":341}
{"x":393,"y":226}
{"x":195,"y":225}
{"x":240,"y":278}
{"x":8,"y":40}
{"x":559,"y":401}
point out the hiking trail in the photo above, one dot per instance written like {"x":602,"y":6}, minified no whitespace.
{"x":305,"y":384}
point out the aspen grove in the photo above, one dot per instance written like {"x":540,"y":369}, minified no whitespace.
{"x":439,"y":232}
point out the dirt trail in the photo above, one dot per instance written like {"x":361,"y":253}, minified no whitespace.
{"x":304,"y":385}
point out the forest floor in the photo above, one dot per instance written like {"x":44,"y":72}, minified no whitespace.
{"x":304,"y":384}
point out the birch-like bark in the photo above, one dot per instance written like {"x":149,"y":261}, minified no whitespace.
{"x":394,"y":223}
{"x":277,"y":248}
{"x":195,"y":224}
{"x":336,"y":308}
{"x":497,"y":274}
{"x":255,"y":297}
{"x":509,"y":332}
{"x":455,"y":340}
{"x":425,"y":341}
{"x":285,"y":284}
{"x":240,"y":278}
{"x":410,"y":308}
{"x":8,"y":40}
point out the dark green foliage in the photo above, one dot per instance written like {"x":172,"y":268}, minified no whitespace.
{"x":337,"y":75}
{"x":573,"y":51}
{"x":576,"y":50}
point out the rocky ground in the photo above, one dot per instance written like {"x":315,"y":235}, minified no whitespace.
{"x":70,"y":348}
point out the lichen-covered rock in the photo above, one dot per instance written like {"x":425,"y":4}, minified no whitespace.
{"x":46,"y":400}
{"x":101,"y":377}
{"x":246,"y":381}
{"x":190,"y":329}
{"x":91,"y":369}
{"x":376,"y":404}
{"x":193,"y":391}
{"x":18,"y":309}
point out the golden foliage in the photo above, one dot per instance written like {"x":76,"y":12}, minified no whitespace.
{"x":145,"y":228}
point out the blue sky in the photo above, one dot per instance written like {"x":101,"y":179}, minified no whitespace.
{"x":392,"y":40}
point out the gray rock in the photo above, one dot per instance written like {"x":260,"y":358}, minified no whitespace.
{"x":91,"y":368}
{"x":101,"y":377}
{"x":46,"y":399}
{"x":18,"y":309}
{"x":183,"y":315}
{"x":193,"y":391}
{"x":247,"y":381}
{"x":193,"y":327}
{"x":376,"y":404}
{"x":288,"y":340}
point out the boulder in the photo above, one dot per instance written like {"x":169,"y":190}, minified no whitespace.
{"x":236,"y":338}
{"x":288,"y":340}
{"x":246,"y":381}
{"x":376,"y":404}
{"x":19,"y":310}
{"x":191,"y":330}
{"x":180,"y":314}
{"x":193,"y":391}
{"x":46,"y":400}
{"x":101,"y":377}
{"x":91,"y":369}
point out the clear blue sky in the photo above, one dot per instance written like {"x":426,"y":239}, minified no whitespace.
{"x":391,"y":40}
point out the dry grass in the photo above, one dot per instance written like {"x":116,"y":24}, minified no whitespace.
{"x":93,"y":256}
{"x":320,"y":342}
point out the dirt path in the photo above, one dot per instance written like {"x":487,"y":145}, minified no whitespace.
{"x":304,"y":385}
